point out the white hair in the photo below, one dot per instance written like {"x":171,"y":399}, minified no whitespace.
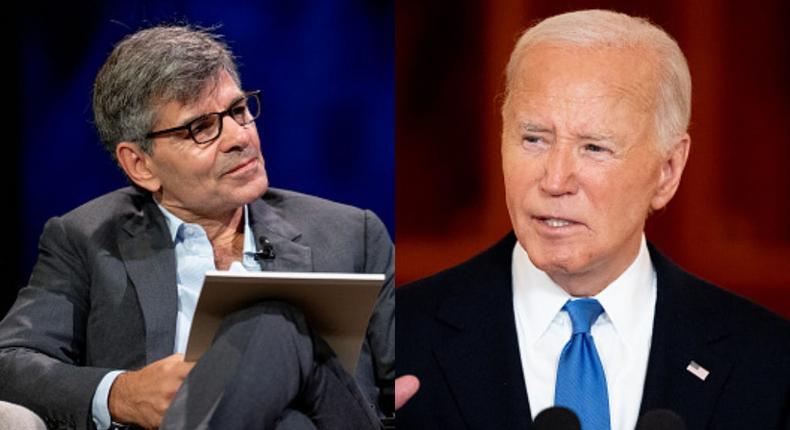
{"x":592,"y":28}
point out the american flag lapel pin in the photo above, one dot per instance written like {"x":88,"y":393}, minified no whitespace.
{"x":695,"y":369}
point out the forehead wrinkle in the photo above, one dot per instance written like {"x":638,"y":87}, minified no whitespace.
{"x":610,"y":94}
{"x":580,"y":122}
{"x":636,"y":94}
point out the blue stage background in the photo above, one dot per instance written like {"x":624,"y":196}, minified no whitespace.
{"x":326,"y":71}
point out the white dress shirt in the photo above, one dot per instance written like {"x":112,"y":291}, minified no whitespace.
{"x":622,"y":333}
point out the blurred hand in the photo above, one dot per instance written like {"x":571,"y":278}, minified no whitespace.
{"x":142,"y":397}
{"x":405,"y":387}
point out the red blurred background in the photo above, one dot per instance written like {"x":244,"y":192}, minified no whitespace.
{"x":728,"y":223}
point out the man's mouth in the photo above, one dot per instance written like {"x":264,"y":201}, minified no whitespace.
{"x":555,"y":222}
{"x":240,"y":166}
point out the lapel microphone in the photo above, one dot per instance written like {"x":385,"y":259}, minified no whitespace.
{"x":265,"y":249}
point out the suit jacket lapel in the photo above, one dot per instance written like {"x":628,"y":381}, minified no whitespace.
{"x":683,"y":332}
{"x":149,"y":258}
{"x":289,"y":254}
{"x":476,"y":345}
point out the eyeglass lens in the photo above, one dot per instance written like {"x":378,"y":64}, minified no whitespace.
{"x":208,"y":127}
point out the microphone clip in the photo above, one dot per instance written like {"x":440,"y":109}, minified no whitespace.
{"x":266,"y":249}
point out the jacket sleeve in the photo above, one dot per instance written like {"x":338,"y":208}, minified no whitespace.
{"x":42,"y":338}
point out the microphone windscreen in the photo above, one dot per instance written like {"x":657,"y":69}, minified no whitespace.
{"x":557,"y":418}
{"x":660,"y":419}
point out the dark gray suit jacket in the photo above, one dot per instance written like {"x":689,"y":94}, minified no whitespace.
{"x":456,"y":331}
{"x":103,"y":294}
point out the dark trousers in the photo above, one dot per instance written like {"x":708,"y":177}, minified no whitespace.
{"x":266,"y":370}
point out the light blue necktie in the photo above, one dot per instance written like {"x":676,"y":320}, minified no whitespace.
{"x":581,"y":383}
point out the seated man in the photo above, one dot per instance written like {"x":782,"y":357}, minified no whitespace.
{"x":575,"y":308}
{"x":99,"y":333}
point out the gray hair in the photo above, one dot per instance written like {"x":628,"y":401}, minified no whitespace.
{"x":590,"y":28}
{"x":150,"y":68}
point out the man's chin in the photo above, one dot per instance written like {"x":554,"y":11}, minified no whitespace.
{"x":252,"y":190}
{"x":560,"y":261}
{"x":233,"y":198}
{"x":558,"y":267}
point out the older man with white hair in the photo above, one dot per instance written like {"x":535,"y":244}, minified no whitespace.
{"x":575,"y":308}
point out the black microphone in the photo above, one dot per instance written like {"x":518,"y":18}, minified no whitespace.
{"x":266,"y":249}
{"x":557,"y":418}
{"x":660,"y":419}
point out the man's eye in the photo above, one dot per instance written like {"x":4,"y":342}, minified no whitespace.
{"x":594,"y":148}
{"x":532,"y":139}
{"x":202,"y":125}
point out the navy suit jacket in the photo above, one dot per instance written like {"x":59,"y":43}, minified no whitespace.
{"x":456,"y":332}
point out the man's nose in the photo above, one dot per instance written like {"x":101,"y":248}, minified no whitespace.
{"x":559,"y":171}
{"x":235,"y":136}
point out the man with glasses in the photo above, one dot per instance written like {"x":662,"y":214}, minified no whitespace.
{"x":98,"y":335}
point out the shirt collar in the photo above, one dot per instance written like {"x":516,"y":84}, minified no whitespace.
{"x":626,"y":299}
{"x":249,"y":237}
{"x":541,"y":299}
{"x":538,"y":297}
{"x":174,"y":224}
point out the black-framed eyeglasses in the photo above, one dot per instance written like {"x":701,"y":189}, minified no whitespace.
{"x":207,"y":128}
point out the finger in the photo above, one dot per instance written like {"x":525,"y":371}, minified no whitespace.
{"x":405,"y":387}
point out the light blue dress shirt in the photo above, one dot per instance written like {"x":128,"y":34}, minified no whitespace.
{"x":194,"y":257}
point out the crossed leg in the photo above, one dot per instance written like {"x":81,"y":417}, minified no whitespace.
{"x":267,"y":370}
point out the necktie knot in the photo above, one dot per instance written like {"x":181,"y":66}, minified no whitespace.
{"x":583,"y":313}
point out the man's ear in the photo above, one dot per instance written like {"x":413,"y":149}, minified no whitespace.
{"x":138,"y":166}
{"x":671,"y":169}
